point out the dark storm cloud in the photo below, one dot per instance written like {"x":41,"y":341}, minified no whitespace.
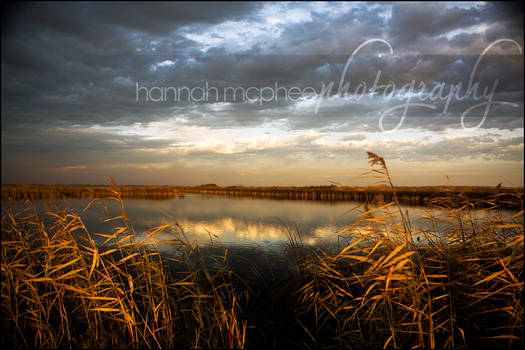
{"x":79,"y":62}
{"x":510,"y":12}
{"x":415,"y":22}
{"x":89,"y":20}
{"x":71,"y":59}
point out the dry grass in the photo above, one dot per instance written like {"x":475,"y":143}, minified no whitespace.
{"x":459,"y":285}
{"x":60,"y":289}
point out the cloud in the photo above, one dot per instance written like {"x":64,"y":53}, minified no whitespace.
{"x":69,"y":75}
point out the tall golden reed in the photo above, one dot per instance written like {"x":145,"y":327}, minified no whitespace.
{"x":61,"y":289}
{"x":459,"y":284}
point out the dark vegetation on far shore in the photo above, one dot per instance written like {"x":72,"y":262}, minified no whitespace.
{"x":410,"y":195}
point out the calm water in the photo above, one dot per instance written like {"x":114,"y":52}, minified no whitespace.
{"x":254,"y":231}
{"x":232,"y":222}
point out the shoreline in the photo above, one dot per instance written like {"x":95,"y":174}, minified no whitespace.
{"x":508,"y":197}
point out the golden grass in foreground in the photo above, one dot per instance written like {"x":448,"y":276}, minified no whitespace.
{"x":59,"y":289}
{"x":455,"y":282}
{"x":460,"y":284}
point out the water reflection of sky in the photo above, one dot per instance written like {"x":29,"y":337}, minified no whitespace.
{"x":235,"y":221}
{"x":227,"y":221}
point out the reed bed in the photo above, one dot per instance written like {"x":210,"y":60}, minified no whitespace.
{"x":61,"y":289}
{"x":25,"y":191}
{"x":420,"y":195}
{"x":449,"y":279}
{"x":458,"y":283}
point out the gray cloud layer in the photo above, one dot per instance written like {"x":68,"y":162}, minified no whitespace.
{"x":69,"y":67}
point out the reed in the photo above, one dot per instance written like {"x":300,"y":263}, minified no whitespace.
{"x":25,"y":191}
{"x":422,"y":195}
{"x":459,"y":285}
{"x":61,"y":289}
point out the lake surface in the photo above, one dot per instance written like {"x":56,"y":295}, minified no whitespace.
{"x":254,"y":231}
{"x":232,"y":222}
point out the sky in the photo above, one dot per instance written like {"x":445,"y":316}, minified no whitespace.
{"x":262,"y":93}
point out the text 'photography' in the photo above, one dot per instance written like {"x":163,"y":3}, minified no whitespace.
{"x":295,"y":175}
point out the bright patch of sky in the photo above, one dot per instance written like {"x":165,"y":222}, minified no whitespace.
{"x":165,"y":63}
{"x":262,"y":31}
{"x":466,"y":4}
{"x":481,"y":28}
{"x":233,"y":36}
{"x":272,"y":136}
